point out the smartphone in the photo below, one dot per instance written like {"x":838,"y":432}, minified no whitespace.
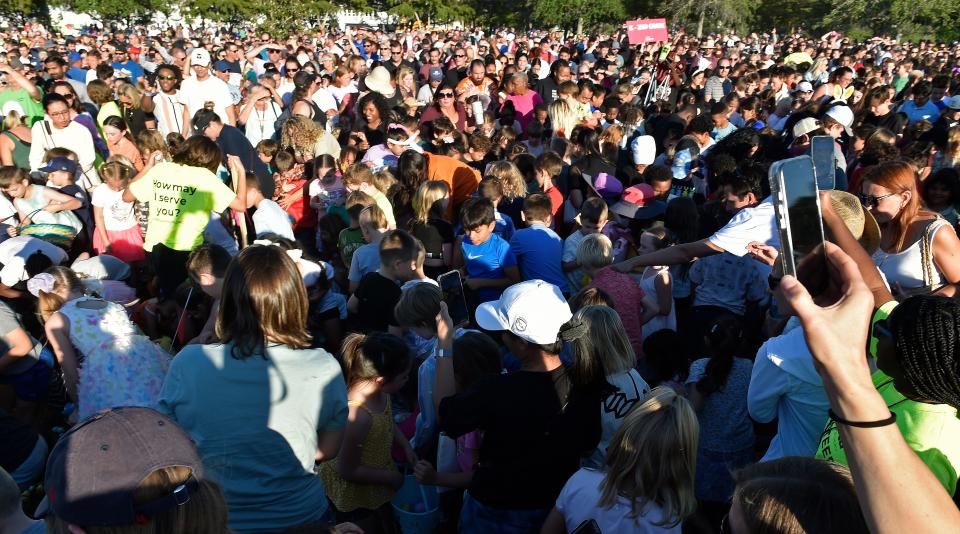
{"x":589,"y":526}
{"x":822,"y":151}
{"x":451,"y":285}
{"x":796,"y":201}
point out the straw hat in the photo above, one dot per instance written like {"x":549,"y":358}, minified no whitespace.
{"x":709,"y":44}
{"x":378,"y":81}
{"x":860,"y":222}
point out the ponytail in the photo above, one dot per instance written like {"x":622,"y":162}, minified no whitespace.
{"x":725,"y":336}
{"x":50,"y":286}
{"x":376,"y":355}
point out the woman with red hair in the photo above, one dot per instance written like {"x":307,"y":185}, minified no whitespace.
{"x":919,"y":252}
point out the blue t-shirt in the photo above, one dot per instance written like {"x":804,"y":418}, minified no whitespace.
{"x":505,"y":227}
{"x":365,"y":260}
{"x":487,"y":260}
{"x":928,"y":112}
{"x":136,"y":71}
{"x":538,"y":250}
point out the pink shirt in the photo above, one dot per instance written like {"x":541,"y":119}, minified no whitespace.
{"x":524,"y":105}
{"x":626,"y":295}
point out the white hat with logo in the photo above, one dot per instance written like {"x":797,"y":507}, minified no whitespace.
{"x":533,"y":311}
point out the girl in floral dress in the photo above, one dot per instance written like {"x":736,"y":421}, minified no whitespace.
{"x":106,"y":361}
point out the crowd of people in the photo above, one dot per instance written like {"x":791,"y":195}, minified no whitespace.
{"x":250,"y":285}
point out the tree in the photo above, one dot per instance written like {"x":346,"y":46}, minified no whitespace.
{"x":723,"y":13}
{"x":430,"y":10}
{"x":116,"y":10}
{"x":579,"y":13}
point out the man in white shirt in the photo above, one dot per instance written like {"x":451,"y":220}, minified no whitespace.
{"x":57,"y":130}
{"x":170,"y":112}
{"x":201,"y":89}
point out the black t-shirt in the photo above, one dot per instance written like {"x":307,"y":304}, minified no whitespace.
{"x":893,"y":121}
{"x":83,"y":212}
{"x":233,"y":143}
{"x":547,"y":89}
{"x":17,"y":443}
{"x":535,"y":430}
{"x":453,"y":76}
{"x":433,"y":235}
{"x":377,"y":295}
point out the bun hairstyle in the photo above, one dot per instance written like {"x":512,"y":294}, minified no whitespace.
{"x":372,"y":356}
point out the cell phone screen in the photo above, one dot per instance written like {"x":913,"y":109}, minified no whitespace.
{"x":798,"y":210}
{"x":824,"y":162}
{"x":451,"y":284}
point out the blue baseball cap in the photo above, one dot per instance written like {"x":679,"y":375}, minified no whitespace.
{"x":60,"y":164}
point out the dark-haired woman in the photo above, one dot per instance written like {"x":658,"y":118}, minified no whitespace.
{"x":182,"y":196}
{"x":262,"y":406}
{"x":445,"y":104}
{"x":717,"y":386}
{"x":589,"y":162}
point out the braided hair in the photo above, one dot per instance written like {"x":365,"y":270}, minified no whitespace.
{"x":926,"y":333}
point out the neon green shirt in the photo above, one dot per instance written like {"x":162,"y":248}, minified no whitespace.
{"x":181,"y":200}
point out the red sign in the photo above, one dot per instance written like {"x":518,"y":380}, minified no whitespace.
{"x":647,"y":31}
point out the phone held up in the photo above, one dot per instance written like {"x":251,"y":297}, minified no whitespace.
{"x":796,"y":201}
{"x":451,"y":285}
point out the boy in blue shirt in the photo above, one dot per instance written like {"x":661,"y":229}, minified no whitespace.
{"x":490,"y":265}
{"x":538,"y":248}
{"x":492,"y":189}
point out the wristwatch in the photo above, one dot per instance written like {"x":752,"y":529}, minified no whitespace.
{"x":443,"y":353}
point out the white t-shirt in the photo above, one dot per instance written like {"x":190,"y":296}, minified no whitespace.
{"x":169,"y":112}
{"x":748,"y":225}
{"x":578,"y":503}
{"x":631,"y":391}
{"x":339,"y":93}
{"x":195,"y":93}
{"x":271,"y":219}
{"x":324,"y":100}
{"x":260,"y":124}
{"x":117,"y":214}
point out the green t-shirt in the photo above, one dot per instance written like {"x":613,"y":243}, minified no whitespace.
{"x":931,"y":430}
{"x":181,"y":200}
{"x":32,"y":110}
{"x":349,"y":240}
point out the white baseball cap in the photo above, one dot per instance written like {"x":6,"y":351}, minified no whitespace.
{"x":843,"y":115}
{"x":200,"y":57}
{"x":533,"y":311}
{"x":644,"y":150}
{"x":804,"y":87}
{"x":805,"y":126}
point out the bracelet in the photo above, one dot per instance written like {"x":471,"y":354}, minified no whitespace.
{"x":443,"y":353}
{"x":863,"y":424}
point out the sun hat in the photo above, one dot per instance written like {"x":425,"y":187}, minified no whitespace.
{"x":639,"y":202}
{"x":378,"y":81}
{"x":608,"y":186}
{"x":95,"y":468}
{"x":709,"y":44}
{"x":533,"y":310}
{"x":860,"y":221}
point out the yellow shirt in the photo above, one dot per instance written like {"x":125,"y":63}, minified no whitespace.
{"x":181,"y":200}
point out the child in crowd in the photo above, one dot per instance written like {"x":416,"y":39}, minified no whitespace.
{"x":478,"y":150}
{"x":717,"y":388}
{"x":267,"y":149}
{"x":429,"y":226}
{"x":657,"y":280}
{"x":941,"y":193}
{"x":635,"y":307}
{"x":36,"y":203}
{"x":491,"y":189}
{"x":269,"y":217}
{"x":61,"y":175}
{"x":547,"y":170}
{"x":366,"y":258}
{"x":326,"y":189}
{"x":207,"y":266}
{"x":362,"y":479}
{"x":379,"y":291}
{"x":119,"y":141}
{"x":117,"y":230}
{"x":632,"y":493}
{"x":348,"y":156}
{"x":351,"y":238}
{"x":106,"y":361}
{"x":286,"y":173}
{"x":593,"y":217}
{"x":514,"y":188}
{"x":490,"y":265}
{"x":534,"y":139}
{"x":537,"y":247}
{"x":360,"y":178}
{"x":387,"y":154}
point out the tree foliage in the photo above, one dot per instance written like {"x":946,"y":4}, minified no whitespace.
{"x":431,"y":10}
{"x":569,"y":13}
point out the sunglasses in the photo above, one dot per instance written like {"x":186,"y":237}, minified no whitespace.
{"x":723,"y":67}
{"x":167,"y":77}
{"x":445,"y":95}
{"x":293,"y":70}
{"x":460,"y":55}
{"x":872,"y":200}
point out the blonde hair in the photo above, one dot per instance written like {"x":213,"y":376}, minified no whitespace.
{"x":151,"y":141}
{"x":204,"y":513}
{"x":304,"y":136}
{"x":65,"y":282}
{"x":130,"y":91}
{"x":562,"y":117}
{"x":373,"y":218}
{"x":606,"y":339}
{"x":595,"y":252}
{"x":383,"y":180}
{"x":951,"y":154}
{"x":652,"y":458}
{"x":357,"y":174}
{"x":510,"y":177}
{"x":427,"y":196}
{"x":12,"y":120}
{"x":115,"y":170}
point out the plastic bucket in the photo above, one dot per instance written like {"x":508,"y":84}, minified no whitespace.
{"x":416,"y":507}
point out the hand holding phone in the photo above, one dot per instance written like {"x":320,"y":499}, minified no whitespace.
{"x":796,"y":202}
{"x":451,"y":285}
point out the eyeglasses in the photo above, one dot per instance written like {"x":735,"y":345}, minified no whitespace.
{"x":59,"y":114}
{"x":872,"y":200}
{"x":445,"y":95}
{"x":396,"y":52}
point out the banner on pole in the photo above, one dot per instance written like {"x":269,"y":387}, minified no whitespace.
{"x":647,"y":31}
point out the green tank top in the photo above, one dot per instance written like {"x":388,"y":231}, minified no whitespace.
{"x":21,"y":150}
